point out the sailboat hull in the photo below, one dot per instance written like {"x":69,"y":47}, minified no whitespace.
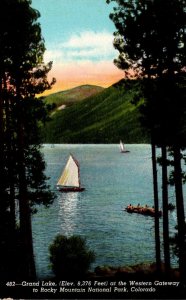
{"x":70,"y":189}
{"x":125,"y":151}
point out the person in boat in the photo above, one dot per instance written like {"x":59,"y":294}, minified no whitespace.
{"x":141,"y":209}
{"x":145,"y":209}
{"x":137,"y":208}
{"x":148,"y":210}
{"x":129,"y":207}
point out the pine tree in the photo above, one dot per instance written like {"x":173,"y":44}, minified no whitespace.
{"x":23,"y":74}
{"x":150,"y":38}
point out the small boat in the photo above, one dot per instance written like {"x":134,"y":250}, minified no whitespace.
{"x":143,"y":210}
{"x":122,"y":148}
{"x":69,"y":180}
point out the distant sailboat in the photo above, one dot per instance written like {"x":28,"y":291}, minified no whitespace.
{"x":122,"y":148}
{"x":69,"y":180}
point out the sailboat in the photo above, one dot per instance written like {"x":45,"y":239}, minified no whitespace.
{"x":122,"y":148}
{"x":69,"y":180}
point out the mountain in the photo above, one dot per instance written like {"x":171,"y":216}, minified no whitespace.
{"x":71,"y":96}
{"x":105,"y":117}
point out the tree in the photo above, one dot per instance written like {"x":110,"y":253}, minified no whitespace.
{"x":70,"y":257}
{"x":150,"y":38}
{"x":23,"y":74}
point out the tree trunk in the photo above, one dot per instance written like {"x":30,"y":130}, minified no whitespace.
{"x":156,"y":206}
{"x":165,"y":210}
{"x":1,"y":138}
{"x":180,"y":210}
{"x":28,"y":265}
{"x":10,"y":160}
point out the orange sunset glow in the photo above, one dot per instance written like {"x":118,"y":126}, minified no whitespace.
{"x":71,"y":75}
{"x":80,"y":48}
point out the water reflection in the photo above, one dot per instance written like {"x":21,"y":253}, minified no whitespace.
{"x":68,"y":212}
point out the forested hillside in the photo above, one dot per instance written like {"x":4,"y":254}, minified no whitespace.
{"x":105,"y":117}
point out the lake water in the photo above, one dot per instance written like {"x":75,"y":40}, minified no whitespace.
{"x":112,"y":181}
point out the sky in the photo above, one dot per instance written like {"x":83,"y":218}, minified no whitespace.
{"x":78,"y":37}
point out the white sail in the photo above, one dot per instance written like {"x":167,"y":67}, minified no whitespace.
{"x":121,"y":146}
{"x":70,"y":175}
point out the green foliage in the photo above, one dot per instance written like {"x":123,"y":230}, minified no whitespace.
{"x":150,"y":38}
{"x":38,"y":190}
{"x":105,"y":117}
{"x":70,"y":257}
{"x":149,"y":35}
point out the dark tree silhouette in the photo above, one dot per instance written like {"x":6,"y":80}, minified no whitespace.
{"x":70,"y":257}
{"x":150,"y":38}
{"x":23,"y":74}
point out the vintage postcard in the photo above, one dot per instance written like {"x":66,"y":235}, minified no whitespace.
{"x":92,"y":137}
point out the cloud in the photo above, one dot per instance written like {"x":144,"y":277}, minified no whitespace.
{"x":89,"y":39}
{"x":90,"y":45}
{"x":85,"y":58}
{"x":53,"y":55}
